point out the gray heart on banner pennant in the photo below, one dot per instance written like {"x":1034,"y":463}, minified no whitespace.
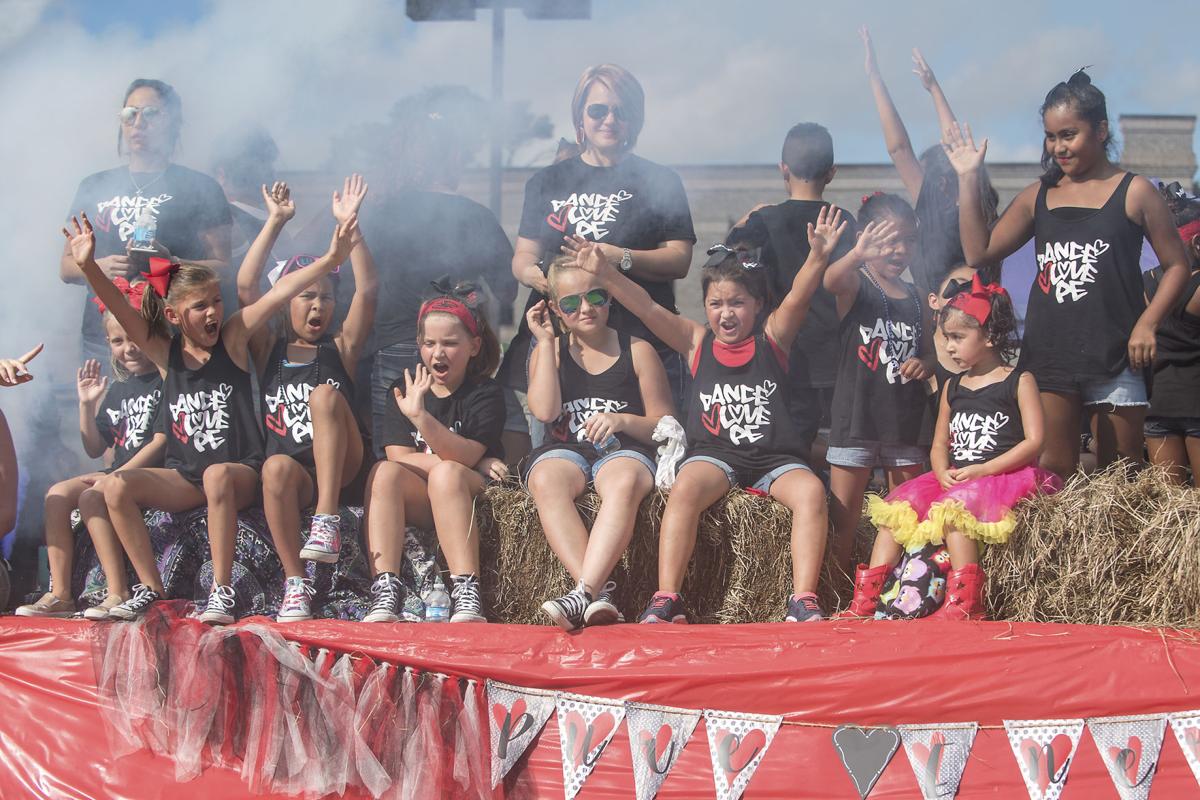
{"x":865,"y":752}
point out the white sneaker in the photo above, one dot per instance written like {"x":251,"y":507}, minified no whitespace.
{"x":136,"y":605}
{"x":102,"y":611}
{"x":219,"y":611}
{"x":468,"y":607}
{"x":295,"y":605}
{"x":48,"y":606}
{"x":324,"y":539}
{"x":385,"y":599}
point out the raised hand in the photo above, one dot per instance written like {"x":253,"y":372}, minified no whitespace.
{"x":539,"y":321}
{"x":574,"y":246}
{"x":869,"y":64}
{"x":824,"y":235}
{"x":279,"y":201}
{"x":959,"y":145}
{"x":591,"y":259}
{"x":412,"y":402}
{"x":343,"y":239}
{"x":82,"y":240}
{"x":922,"y":71}
{"x":877,"y":240}
{"x":90,"y":384}
{"x":13,"y":370}
{"x":346,"y":204}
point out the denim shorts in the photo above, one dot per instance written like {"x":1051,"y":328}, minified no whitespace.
{"x":591,"y":469}
{"x":762,"y":484}
{"x":876,"y":454}
{"x":1126,"y":389}
{"x":1162,"y":427}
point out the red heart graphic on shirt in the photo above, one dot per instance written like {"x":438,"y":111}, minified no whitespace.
{"x":102,"y":222}
{"x":120,"y":432}
{"x":582,"y":738}
{"x":931,"y":758}
{"x":1043,"y":279}
{"x":1047,"y":764}
{"x":179,"y":428}
{"x":559,"y":221}
{"x":1127,"y":759}
{"x":712,"y":420}
{"x":735,"y":752}
{"x":275,"y":422}
{"x":869,"y":353}
{"x":654,"y":747}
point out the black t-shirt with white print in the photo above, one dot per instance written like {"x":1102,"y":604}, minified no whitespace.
{"x":475,"y":411}
{"x":984,"y":423}
{"x":286,"y":387}
{"x":128,"y":416}
{"x":185,"y":203}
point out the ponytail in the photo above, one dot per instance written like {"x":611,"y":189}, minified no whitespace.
{"x":185,"y":280}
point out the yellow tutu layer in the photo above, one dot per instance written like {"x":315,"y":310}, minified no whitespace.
{"x":897,"y":516}
{"x":909,"y":532}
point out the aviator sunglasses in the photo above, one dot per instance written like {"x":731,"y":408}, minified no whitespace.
{"x":570,"y":304}
{"x":599,"y":111}
{"x":150,"y":114}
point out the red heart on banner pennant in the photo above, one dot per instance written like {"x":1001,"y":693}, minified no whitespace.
{"x":513,"y":724}
{"x":869,"y":354}
{"x":559,"y":221}
{"x":931,"y":757}
{"x":1127,"y":759}
{"x":654,"y":747}
{"x":712,"y":420}
{"x":735,"y":752}
{"x":583,"y":738}
{"x":1048,"y":764}
{"x":501,"y":712}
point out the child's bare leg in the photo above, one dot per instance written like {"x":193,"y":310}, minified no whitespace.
{"x":1060,"y":453}
{"x":108,"y":548}
{"x":554,"y":484}
{"x":337,"y":445}
{"x":1119,"y":433}
{"x":229,"y":488}
{"x":286,"y":489}
{"x":963,"y":549}
{"x":1192,"y":443}
{"x":898,"y":475}
{"x":1169,"y":453}
{"x":126,"y":493}
{"x":847,"y":485}
{"x":885,"y":550}
{"x":622,"y":484}
{"x":452,"y":491}
{"x":61,"y":499}
{"x":697,"y":486}
{"x":395,"y":497}
{"x":802,"y":492}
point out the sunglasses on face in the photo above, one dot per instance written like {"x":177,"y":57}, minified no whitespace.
{"x":596,"y":298}
{"x":150,"y":114}
{"x":598,"y":111}
{"x":954,"y":286}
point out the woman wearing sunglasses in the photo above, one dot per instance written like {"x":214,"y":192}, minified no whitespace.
{"x":602,"y":393}
{"x":635,"y":209}
{"x":191,"y":216}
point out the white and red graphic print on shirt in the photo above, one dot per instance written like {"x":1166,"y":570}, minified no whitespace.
{"x":739,"y":412}
{"x":589,"y":215}
{"x":288,"y":413}
{"x":576,"y":413}
{"x":131,"y":422}
{"x":122,"y":212}
{"x":1068,"y":268}
{"x":892,"y":351}
{"x":202,"y":417}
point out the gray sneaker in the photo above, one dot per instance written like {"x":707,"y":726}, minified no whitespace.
{"x":568,"y":611}
{"x":103,"y":610}
{"x":385,"y":599}
{"x":221,"y":602}
{"x":48,"y":606}
{"x":468,"y":606}
{"x":136,"y":605}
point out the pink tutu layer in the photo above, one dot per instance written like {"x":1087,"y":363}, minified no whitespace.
{"x":920,"y":511}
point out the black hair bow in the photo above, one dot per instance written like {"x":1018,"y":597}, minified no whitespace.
{"x":465,"y":291}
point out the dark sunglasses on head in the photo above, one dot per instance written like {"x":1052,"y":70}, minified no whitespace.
{"x":719,"y":253}
{"x":599,"y":111}
{"x":596,"y":298}
{"x":129,"y":114}
{"x":954,"y":286}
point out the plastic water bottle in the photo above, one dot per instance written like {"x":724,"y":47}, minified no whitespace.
{"x":610,"y":445}
{"x":145,"y":230}
{"x":437,"y":602}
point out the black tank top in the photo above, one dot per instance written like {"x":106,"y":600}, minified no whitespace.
{"x":872,"y":401}
{"x":1177,"y":361}
{"x":1087,"y":295}
{"x":984,"y":423}
{"x":128,"y":417}
{"x":739,"y":411}
{"x":287,"y":420}
{"x":615,"y":390}
{"x":209,"y":414}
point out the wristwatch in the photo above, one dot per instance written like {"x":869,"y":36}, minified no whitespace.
{"x":626,"y":260}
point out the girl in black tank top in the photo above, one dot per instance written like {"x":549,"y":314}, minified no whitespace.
{"x":314,"y":441}
{"x":214,"y":447}
{"x":747,"y":336}
{"x":1087,"y":322}
{"x":601,"y":394}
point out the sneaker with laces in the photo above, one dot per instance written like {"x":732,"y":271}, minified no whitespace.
{"x":102,"y":611}
{"x":221,"y":602}
{"x":804,"y":608}
{"x":136,"y":605}
{"x":385,"y":599}
{"x":568,"y":611}
{"x":468,"y":606}
{"x":48,"y":606}
{"x":324,"y":539}
{"x":603,"y":610}
{"x":664,"y":607}
{"x":296,"y":598}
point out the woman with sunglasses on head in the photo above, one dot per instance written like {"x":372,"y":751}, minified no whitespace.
{"x":191,"y":215}
{"x":601,"y":393}
{"x":634,"y":209}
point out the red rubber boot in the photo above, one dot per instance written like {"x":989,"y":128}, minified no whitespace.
{"x":964,"y":595}
{"x":868,"y":585}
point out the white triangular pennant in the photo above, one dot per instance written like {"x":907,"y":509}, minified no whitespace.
{"x":1187,"y":732}
{"x":657,"y":736}
{"x":737,"y":744}
{"x":938,"y":754}
{"x":515,"y":718}
{"x":1129,"y":747}
{"x":1044,"y":749}
{"x":585,"y":727}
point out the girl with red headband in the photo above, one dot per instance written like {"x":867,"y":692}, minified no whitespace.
{"x":214,"y":446}
{"x":441,"y":437}
{"x":121,"y":417}
{"x":985,"y":448}
{"x":314,"y":441}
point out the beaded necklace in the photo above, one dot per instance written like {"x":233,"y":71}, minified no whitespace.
{"x":887,"y":316}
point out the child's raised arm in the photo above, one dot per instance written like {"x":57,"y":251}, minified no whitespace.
{"x":545,"y":392}
{"x":895,"y":136}
{"x":784,"y":322}
{"x":677,"y":332}
{"x":361,"y":316}
{"x":82,"y":241}
{"x":91,"y":387}
{"x":875,"y":241}
{"x":13,"y":371}
{"x":945,"y":115}
{"x":280,"y":209}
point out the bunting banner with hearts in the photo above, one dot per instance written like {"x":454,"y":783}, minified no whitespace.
{"x":585,"y":727}
{"x":865,"y":753}
{"x":657,"y":736}
{"x":938,"y":754}
{"x":1129,"y":747}
{"x":737,"y":744}
{"x":516,"y":718}
{"x":1044,"y":749}
{"x":1187,"y":732}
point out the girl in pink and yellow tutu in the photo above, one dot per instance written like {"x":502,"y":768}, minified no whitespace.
{"x":984,"y":457}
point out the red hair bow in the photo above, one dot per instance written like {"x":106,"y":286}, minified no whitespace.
{"x":133,"y":292}
{"x":977,"y":301}
{"x":160,"y":274}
